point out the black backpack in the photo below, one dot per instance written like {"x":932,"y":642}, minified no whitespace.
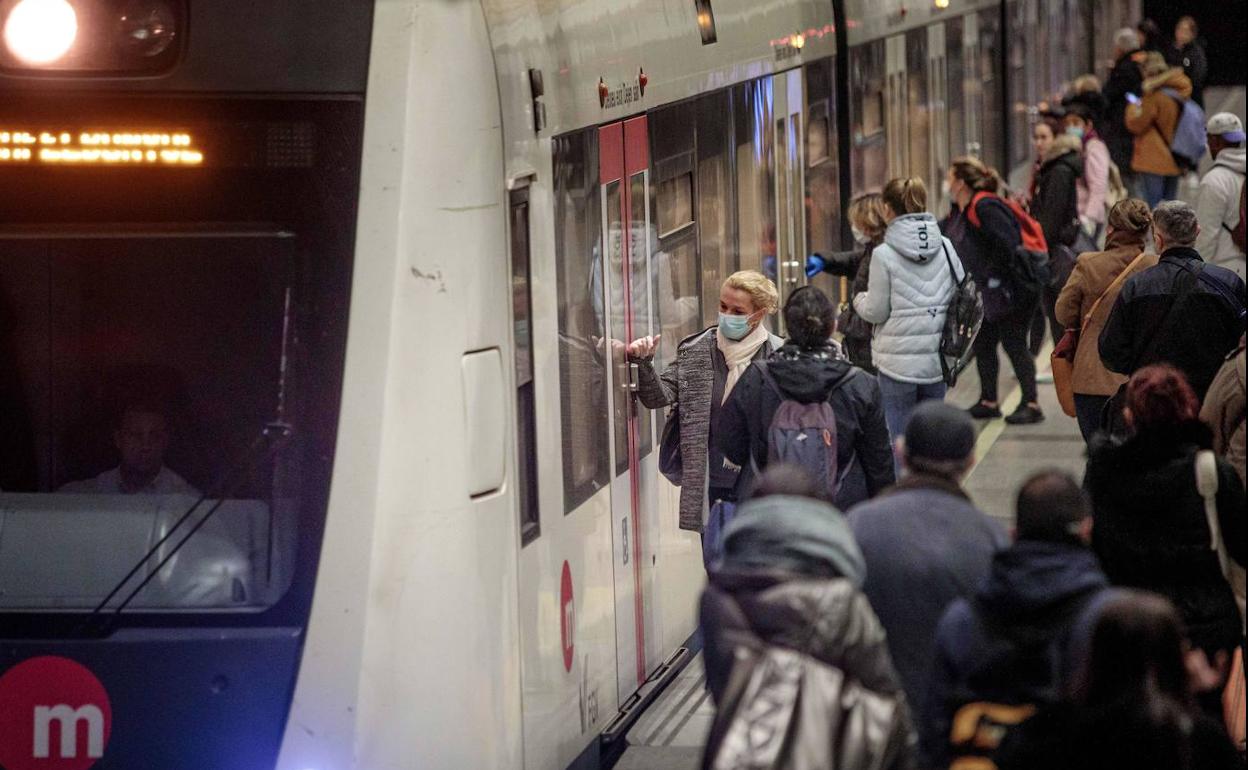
{"x":963,"y":318}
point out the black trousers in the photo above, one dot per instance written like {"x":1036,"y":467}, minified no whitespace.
{"x":1010,"y":333}
{"x":1088,"y":412}
{"x":1047,"y":309}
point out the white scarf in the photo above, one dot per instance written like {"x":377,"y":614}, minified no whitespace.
{"x":739,"y":353}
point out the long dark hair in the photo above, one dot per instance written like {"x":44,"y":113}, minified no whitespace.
{"x":809,"y":317}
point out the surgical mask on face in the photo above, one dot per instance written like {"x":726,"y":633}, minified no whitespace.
{"x":859,"y":236}
{"x":1075,"y":131}
{"x":734,"y":327}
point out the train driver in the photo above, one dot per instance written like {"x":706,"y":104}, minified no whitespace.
{"x":141,"y":438}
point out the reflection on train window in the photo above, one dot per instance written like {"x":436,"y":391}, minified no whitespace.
{"x":868,"y":154}
{"x":582,"y":327}
{"x":675,"y":203}
{"x":752,"y":109}
{"x":823,"y":198}
{"x":961,"y":122}
{"x":617,"y":317}
{"x":987,"y":88}
{"x":526,"y":417}
{"x":716,"y":231}
{"x":918,"y":112}
{"x":140,"y":372}
{"x":818,"y":132}
{"x":642,"y":254}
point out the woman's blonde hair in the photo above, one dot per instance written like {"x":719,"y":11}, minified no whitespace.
{"x":760,"y":288}
{"x":1086,"y":84}
{"x":868,"y":214}
{"x":906,"y":196}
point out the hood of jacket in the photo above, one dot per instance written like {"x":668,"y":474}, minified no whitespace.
{"x":1032,"y":577}
{"x":1172,"y":78}
{"x":1065,"y":149}
{"x":794,"y":535}
{"x":1232,"y":158}
{"x":808,"y":376}
{"x":916,"y":237}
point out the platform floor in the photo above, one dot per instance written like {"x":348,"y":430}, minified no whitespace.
{"x":670,"y":735}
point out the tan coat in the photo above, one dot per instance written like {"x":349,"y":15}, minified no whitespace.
{"x":1093,"y":273}
{"x":1153,"y":122}
{"x":1224,"y":410}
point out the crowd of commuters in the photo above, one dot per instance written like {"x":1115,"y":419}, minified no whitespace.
{"x":861,"y":610}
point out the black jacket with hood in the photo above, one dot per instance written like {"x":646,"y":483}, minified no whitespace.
{"x":808,"y":377}
{"x":1124,"y":78}
{"x":1150,"y":528}
{"x":1056,"y":205}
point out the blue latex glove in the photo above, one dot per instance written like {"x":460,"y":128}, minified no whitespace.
{"x":815,"y":265}
{"x":769,"y":266}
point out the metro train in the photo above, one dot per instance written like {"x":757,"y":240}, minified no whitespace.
{"x":358,"y":275}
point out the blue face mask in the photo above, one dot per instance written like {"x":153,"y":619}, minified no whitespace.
{"x":734,"y":327}
{"x":1074,"y":131}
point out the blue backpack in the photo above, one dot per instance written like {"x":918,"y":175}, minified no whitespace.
{"x":1188,"y":144}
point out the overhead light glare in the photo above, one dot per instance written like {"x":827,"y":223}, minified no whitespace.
{"x":40,"y":31}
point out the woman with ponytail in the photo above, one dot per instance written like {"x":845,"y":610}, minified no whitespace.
{"x":809,"y":369}
{"x":1150,"y":527}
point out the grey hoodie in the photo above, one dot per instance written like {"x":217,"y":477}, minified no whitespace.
{"x":793,"y":534}
{"x":1217,"y":208}
{"x":910,"y":288}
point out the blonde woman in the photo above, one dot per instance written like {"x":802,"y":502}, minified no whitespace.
{"x":699,"y":380}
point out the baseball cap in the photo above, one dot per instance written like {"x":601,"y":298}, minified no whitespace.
{"x":1227,"y":126}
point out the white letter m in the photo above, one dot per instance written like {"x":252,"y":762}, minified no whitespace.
{"x":69,"y":719}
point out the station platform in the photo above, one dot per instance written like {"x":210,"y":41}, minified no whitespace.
{"x":671,"y":733}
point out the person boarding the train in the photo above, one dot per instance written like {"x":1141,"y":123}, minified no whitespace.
{"x":698,"y":382}
{"x":914,"y":273}
{"x":141,"y":439}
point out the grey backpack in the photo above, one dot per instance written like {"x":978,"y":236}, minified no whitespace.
{"x":803,"y":435}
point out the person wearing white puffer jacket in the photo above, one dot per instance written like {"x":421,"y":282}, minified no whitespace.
{"x":913,"y":277}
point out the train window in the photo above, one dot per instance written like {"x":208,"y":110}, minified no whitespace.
{"x":869,"y":151}
{"x":918,"y":108}
{"x":756,"y":167}
{"x":716,"y":231}
{"x":526,"y":417}
{"x":582,"y":325}
{"x":675,"y":203}
{"x":142,"y":375}
{"x":823,"y":199}
{"x":643,"y":254}
{"x":960,"y":123}
{"x":1022,"y":81}
{"x":986,"y":86}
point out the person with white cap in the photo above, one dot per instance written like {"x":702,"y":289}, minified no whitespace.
{"x":1218,"y":197}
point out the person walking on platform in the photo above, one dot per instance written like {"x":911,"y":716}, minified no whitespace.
{"x":1188,"y":52}
{"x":1132,"y":705}
{"x":1125,"y":78}
{"x":867,"y":219}
{"x":1087,"y":298}
{"x":796,"y":661}
{"x":1093,"y":185}
{"x":1180,"y":311}
{"x":1224,"y":410}
{"x":1056,"y":207}
{"x":1220,"y":199}
{"x":924,"y":541}
{"x":988,"y":250}
{"x":1153,"y":119}
{"x":810,"y":370}
{"x":1015,"y":646}
{"x":706,"y":368}
{"x":914,"y":273}
{"x":1151,"y":528}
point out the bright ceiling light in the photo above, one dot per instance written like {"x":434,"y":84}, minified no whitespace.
{"x":40,"y":31}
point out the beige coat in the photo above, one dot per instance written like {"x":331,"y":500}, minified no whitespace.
{"x":1154,"y":121}
{"x":1224,"y":410}
{"x":1093,"y":273}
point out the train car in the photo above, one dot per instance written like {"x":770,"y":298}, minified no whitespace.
{"x":338,"y":290}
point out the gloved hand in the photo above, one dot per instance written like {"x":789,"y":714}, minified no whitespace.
{"x":815,"y":265}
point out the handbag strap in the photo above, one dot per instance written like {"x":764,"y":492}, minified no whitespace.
{"x":1118,"y":281}
{"x":1207,"y":484}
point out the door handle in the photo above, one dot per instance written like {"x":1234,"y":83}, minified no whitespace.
{"x":630,"y":378}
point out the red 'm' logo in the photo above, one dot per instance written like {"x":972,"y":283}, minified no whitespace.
{"x":567,"y":616}
{"x":54,"y":715}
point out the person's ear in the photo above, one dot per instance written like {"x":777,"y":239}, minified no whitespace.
{"x":1128,"y":416}
{"x":1085,"y":531}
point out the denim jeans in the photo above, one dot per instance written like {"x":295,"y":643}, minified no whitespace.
{"x":1155,"y":188}
{"x":900,"y":399}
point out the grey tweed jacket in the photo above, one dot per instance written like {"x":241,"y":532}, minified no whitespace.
{"x":689,"y":381}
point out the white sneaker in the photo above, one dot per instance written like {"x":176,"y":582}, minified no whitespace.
{"x":1044,"y":377}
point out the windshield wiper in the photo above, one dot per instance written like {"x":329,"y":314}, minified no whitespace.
{"x":272,"y":438}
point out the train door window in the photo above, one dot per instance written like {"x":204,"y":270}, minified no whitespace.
{"x":918,"y":107}
{"x":823,"y":198}
{"x":651,"y":267}
{"x":674,"y":272}
{"x":988,"y":85}
{"x":869,"y":150}
{"x":938,"y":112}
{"x":582,"y":321}
{"x":753,"y":108}
{"x":1020,"y":50}
{"x":961,"y":119}
{"x":522,"y":320}
{"x":716,"y":211}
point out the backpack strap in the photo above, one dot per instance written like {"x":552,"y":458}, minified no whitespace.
{"x":949,"y":261}
{"x":971,"y":214}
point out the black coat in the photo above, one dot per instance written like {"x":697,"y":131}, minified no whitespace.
{"x":1150,"y":529}
{"x":1197,"y":337}
{"x":1124,"y":78}
{"x":1195,"y":64}
{"x":742,"y":425}
{"x":1056,"y":205}
{"x":857,"y":332}
{"x":986,"y":253}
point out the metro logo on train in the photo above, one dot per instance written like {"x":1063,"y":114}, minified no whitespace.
{"x":54,"y":715}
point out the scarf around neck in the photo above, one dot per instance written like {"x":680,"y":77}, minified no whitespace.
{"x":739,"y":353}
